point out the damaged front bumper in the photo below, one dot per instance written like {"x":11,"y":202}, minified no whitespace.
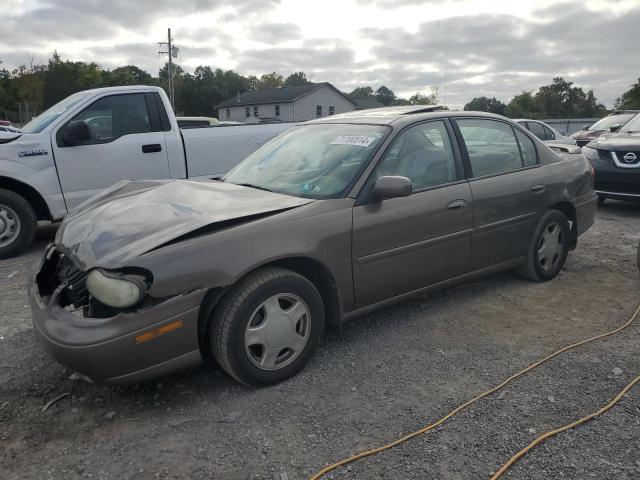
{"x":125,"y":348}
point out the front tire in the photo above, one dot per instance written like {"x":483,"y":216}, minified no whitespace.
{"x":267,"y":327}
{"x":18,"y":224}
{"x":548,"y":249}
{"x":601,"y":200}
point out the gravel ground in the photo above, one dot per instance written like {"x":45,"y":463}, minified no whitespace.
{"x":389,"y":373}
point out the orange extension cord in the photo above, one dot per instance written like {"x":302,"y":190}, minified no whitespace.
{"x":569,"y":426}
{"x":457,"y":410}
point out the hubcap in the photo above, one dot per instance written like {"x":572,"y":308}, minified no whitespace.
{"x":9,"y":225}
{"x":551,"y":246}
{"x":277,"y":331}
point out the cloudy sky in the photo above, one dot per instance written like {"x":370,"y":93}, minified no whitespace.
{"x":464,"y":48}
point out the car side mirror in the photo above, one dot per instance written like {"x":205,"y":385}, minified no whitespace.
{"x":585,"y":127}
{"x":75,"y":132}
{"x":391,"y":187}
{"x":614,"y":128}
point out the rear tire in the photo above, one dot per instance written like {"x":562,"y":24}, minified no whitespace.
{"x":548,"y":249}
{"x":266,"y":328}
{"x":18,"y":224}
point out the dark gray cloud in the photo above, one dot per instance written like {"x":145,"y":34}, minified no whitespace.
{"x":274,"y":32}
{"x":491,"y":54}
{"x":100,"y":19}
{"x":513,"y":54}
{"x":315,"y":60}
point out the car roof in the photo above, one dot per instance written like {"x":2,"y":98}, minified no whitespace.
{"x":400,"y":115}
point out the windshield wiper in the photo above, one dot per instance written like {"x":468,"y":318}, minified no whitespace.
{"x":251,"y":185}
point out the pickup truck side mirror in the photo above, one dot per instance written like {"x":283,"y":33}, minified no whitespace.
{"x":391,"y":187}
{"x":75,"y":132}
{"x":585,"y":127}
{"x":614,"y":128}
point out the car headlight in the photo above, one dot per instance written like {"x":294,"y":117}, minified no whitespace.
{"x":116,"y":289}
{"x":590,"y":153}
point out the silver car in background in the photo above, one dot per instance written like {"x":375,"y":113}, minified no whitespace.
{"x":545,"y":132}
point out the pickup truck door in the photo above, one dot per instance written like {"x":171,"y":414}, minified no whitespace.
{"x":126,"y":142}
{"x":407,"y":243}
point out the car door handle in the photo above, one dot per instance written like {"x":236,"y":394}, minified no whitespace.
{"x":456,"y":205}
{"x":537,"y":189}
{"x":154,"y":147}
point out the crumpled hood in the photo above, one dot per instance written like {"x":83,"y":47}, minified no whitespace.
{"x":133,"y":217}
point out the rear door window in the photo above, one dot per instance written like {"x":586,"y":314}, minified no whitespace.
{"x":548,"y":133}
{"x":491,"y":146}
{"x":538,"y":130}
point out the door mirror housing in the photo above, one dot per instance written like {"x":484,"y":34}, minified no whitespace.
{"x":615,"y":128}
{"x":585,"y":127}
{"x":391,"y":187}
{"x":75,"y":132}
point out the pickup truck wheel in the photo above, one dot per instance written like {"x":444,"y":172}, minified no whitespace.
{"x":267,"y":327}
{"x":548,"y":249}
{"x":18,"y":224}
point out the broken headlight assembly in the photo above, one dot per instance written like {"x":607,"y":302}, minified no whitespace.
{"x":117,"y":289}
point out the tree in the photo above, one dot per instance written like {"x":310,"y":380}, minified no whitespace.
{"x":361,"y":92}
{"x":254,"y":83}
{"x":296,"y":79}
{"x":521,"y":106}
{"x":421,"y":99}
{"x":271,"y":80}
{"x":630,"y":99}
{"x":561,"y":99}
{"x":485,"y":104}
{"x":385,"y":95}
{"x":163,"y":74}
{"x":127,"y":75}
{"x":63,"y":78}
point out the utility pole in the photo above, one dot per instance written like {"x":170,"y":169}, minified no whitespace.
{"x":172,"y":51}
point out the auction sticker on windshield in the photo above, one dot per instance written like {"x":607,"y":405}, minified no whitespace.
{"x":359,"y":140}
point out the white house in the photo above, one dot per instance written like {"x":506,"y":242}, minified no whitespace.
{"x":287,"y":104}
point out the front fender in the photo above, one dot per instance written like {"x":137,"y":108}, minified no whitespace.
{"x":320,"y":232}
{"x":29,"y":161}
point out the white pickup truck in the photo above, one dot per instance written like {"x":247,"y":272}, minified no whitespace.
{"x":95,"y":138}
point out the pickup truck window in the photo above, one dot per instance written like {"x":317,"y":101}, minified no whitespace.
{"x":43,"y":120}
{"x":112,"y":117}
{"x":311,"y":161}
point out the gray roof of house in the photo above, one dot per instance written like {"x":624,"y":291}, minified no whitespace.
{"x":277,"y":95}
{"x":368,"y":102}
